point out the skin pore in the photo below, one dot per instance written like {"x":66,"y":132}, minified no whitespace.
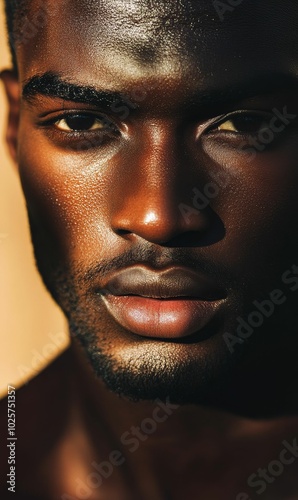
{"x":167,"y":98}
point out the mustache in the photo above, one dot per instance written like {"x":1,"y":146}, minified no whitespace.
{"x":156,"y":259}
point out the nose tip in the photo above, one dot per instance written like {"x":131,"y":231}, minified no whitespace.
{"x":160,"y":225}
{"x":157,"y":185}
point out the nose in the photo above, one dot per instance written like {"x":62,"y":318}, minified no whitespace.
{"x":154,"y":197}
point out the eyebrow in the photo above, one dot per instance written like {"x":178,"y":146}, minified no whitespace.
{"x":256,"y":86}
{"x":52,"y":85}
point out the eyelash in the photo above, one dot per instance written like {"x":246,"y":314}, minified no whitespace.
{"x":263,"y":116}
{"x":109,"y":128}
{"x":89,"y":139}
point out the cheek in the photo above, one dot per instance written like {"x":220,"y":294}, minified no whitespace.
{"x":66,"y":199}
{"x":259,"y":208}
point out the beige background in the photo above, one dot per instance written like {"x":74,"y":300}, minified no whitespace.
{"x":32,"y":328}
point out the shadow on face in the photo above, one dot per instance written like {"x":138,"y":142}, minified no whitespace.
{"x":144,"y":139}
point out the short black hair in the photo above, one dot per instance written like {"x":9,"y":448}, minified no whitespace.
{"x":14,"y":10}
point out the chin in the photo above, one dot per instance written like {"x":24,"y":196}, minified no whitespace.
{"x":146,"y":369}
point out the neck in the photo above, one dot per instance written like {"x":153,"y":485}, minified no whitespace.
{"x":153,"y":439}
{"x":152,"y":422}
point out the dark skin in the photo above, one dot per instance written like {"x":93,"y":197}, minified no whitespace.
{"x":108,"y":196}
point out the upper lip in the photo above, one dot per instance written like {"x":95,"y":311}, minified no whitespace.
{"x":170,"y":283}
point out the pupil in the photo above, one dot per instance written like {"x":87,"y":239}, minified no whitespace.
{"x":249,"y":124}
{"x":80,"y":122}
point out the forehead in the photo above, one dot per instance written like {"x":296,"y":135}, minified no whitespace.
{"x":204,"y":41}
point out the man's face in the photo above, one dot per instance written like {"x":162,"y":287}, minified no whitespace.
{"x":158,"y":157}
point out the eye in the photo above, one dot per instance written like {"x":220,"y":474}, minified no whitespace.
{"x":81,"y":123}
{"x":244,"y":124}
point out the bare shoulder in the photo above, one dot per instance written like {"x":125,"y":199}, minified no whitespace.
{"x":35,"y":391}
{"x":33,"y":413}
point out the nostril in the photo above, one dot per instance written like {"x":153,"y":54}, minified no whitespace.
{"x":160,"y":225}
{"x":122,"y":232}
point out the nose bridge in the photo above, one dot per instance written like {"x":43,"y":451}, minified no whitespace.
{"x":158,"y":170}
{"x":160,"y":177}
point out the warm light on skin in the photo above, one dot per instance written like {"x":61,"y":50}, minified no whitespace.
{"x":158,"y":237}
{"x":150,"y":217}
{"x":123,"y":199}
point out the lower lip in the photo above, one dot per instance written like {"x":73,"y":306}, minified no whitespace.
{"x":161,"y":318}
